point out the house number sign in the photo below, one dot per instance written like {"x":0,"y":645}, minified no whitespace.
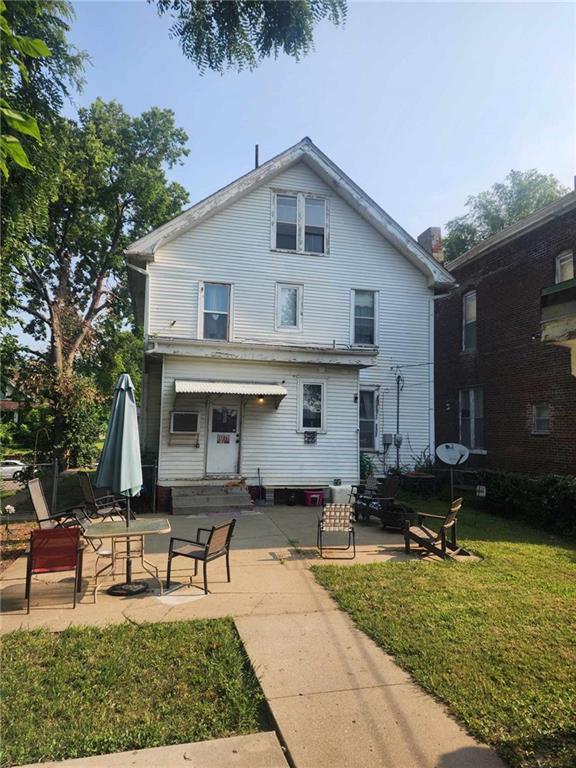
{"x":223,"y":439}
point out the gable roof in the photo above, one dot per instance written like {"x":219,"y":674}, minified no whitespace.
{"x":535,"y":220}
{"x":308,"y":152}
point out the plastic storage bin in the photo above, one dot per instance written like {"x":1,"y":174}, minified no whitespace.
{"x":314,"y":498}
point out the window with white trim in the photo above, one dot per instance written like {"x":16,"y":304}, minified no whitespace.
{"x":312,"y":406}
{"x":541,"y":419}
{"x":184,"y":422}
{"x":215,"y":311}
{"x":287,"y":222}
{"x":565,"y":266}
{"x":368,"y":419}
{"x":314,"y":224}
{"x":469,"y":321}
{"x":365,"y":313}
{"x":288,"y":307}
{"x":472,"y":417}
{"x":299,"y":223}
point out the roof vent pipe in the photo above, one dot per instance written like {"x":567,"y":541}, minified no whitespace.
{"x":256,"y":155}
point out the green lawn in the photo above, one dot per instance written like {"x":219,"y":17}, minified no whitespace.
{"x":89,"y":691}
{"x":495,"y":639}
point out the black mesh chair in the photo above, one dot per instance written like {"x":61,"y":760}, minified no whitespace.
{"x":217,"y":545}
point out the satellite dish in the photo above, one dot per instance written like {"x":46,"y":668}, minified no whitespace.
{"x":452,"y":453}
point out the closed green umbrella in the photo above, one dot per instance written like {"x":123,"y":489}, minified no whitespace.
{"x":120,"y":466}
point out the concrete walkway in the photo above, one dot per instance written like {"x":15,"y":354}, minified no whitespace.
{"x":258,"y":750}
{"x":338,"y":699}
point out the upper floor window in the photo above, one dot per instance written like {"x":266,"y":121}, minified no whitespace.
{"x":288,"y":307}
{"x":541,"y":419}
{"x":469,"y":321}
{"x":314,"y":224}
{"x":215,"y":311}
{"x":472,"y":417}
{"x":312,"y":406}
{"x":365,"y":313}
{"x":286,"y":222}
{"x":300,"y":223}
{"x":565,"y":266}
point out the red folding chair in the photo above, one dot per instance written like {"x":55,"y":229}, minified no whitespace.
{"x":53,"y":550}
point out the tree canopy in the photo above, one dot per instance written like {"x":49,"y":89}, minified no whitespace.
{"x":520,"y":194}
{"x":219,"y":35}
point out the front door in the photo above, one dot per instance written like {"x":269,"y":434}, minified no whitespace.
{"x":223,"y":441}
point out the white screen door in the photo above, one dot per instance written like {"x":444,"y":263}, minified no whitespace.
{"x":223,"y":441}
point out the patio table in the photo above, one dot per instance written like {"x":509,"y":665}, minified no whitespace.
{"x":119,"y":531}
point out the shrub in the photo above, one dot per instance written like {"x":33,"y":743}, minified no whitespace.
{"x":548,"y":502}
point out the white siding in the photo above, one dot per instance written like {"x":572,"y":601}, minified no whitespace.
{"x":234,"y":246}
{"x":269,"y":437}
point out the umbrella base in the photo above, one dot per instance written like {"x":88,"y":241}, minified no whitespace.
{"x":128,"y":590}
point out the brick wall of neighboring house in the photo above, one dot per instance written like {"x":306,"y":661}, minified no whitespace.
{"x":514,"y":368}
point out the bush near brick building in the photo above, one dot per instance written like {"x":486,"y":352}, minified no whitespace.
{"x":548,"y":502}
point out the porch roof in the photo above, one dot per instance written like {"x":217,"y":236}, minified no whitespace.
{"x":255,"y":389}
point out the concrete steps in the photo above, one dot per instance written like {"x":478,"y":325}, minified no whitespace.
{"x":206,"y":499}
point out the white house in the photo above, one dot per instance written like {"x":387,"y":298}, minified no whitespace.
{"x":286,"y":317}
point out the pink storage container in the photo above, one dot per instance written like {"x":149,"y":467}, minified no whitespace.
{"x":314,"y":498}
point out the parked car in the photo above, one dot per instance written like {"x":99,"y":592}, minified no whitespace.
{"x":9,"y":468}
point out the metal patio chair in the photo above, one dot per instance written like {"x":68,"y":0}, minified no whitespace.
{"x":52,"y":551}
{"x":103,"y":507}
{"x":217,"y":545}
{"x":337,"y":518}
{"x":46,"y":519}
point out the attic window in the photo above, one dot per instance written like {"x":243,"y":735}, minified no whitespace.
{"x":299,"y":223}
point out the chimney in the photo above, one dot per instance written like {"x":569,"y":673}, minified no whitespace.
{"x":431,"y":241}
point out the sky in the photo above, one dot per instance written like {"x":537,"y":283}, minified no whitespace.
{"x":421,"y":104}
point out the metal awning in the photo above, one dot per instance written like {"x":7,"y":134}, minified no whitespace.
{"x":253,"y":389}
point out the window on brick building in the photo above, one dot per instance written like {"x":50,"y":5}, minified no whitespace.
{"x":565,"y":266}
{"x":472,"y":417}
{"x":541,"y":419}
{"x":469,"y":321}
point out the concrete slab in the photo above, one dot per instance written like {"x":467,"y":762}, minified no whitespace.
{"x":394,"y":726}
{"x":258,"y":750}
{"x":327,"y":653}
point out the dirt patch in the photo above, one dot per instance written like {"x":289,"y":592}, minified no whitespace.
{"x":13,"y":543}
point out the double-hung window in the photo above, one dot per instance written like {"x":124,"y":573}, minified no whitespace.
{"x":565,"y":266}
{"x":287,"y":222}
{"x":288,"y":307}
{"x":364,"y":317}
{"x":314,"y":225}
{"x":368,"y":419}
{"x":300,"y":223}
{"x":541,"y":419}
{"x":312,"y":406}
{"x":215,"y":311}
{"x":472,"y":417}
{"x":469,"y":321}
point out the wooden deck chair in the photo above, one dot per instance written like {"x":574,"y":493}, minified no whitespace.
{"x":436,"y":542}
{"x":337,"y":518}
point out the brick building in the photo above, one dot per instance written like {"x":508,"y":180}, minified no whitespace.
{"x":499,"y":388}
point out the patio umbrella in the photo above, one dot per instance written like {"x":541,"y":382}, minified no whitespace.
{"x":120,"y":467}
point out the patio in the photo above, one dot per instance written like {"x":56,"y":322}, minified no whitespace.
{"x":271,"y":552}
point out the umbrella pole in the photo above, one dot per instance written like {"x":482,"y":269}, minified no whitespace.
{"x":128,"y":558}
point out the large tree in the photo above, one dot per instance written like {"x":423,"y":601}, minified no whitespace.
{"x":69,"y":276}
{"x":219,"y":34}
{"x":521,"y":193}
{"x":112,"y":187}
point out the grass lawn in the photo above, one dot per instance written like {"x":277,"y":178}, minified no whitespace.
{"x":495,"y":639}
{"x":89,"y":691}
